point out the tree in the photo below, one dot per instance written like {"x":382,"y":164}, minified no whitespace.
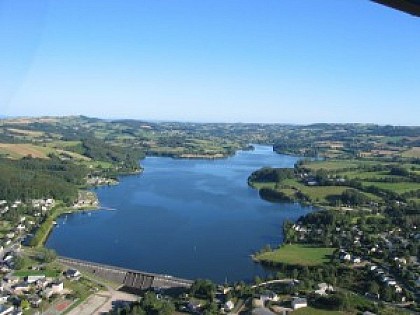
{"x":373,"y":287}
{"x":20,"y":262}
{"x":203,"y":288}
{"x":387,"y":293}
{"x":24,"y":304}
{"x":47,"y":255}
{"x":211,"y":309}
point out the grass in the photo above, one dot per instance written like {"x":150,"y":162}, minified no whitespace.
{"x":316,"y":311}
{"x":20,"y":150}
{"x":298,"y":254}
{"x":333,"y":165}
{"x":369,"y":175}
{"x":31,"y":133}
{"x":316,"y":193}
{"x":399,"y":188}
{"x":48,"y":273}
{"x":412,"y":153}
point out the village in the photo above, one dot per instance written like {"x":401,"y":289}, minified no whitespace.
{"x":31,"y":281}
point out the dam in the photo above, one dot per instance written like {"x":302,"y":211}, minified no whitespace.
{"x":127,"y":278}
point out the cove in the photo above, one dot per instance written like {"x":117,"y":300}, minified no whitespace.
{"x":186,"y":218}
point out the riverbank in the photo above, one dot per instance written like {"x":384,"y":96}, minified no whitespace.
{"x":210,"y":194}
{"x":43,"y":232}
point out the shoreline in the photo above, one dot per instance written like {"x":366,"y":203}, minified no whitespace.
{"x":92,"y":188}
{"x":44,"y":230}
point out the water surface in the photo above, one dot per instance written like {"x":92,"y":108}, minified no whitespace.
{"x":187,"y":218}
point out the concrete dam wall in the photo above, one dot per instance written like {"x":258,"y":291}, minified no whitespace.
{"x":132,"y":279}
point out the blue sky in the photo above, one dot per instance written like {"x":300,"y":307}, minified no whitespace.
{"x":294,"y":61}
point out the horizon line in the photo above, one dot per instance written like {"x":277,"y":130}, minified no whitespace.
{"x":153,"y":120}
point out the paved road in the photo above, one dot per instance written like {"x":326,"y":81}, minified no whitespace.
{"x":102,"y":301}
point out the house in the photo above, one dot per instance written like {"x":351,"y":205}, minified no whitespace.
{"x":269,"y":296}
{"x":194,"y":306}
{"x":323,"y":288}
{"x":357,"y":260}
{"x":5,"y":310}
{"x":72,"y":274}
{"x":33,"y":278}
{"x":391,"y":282}
{"x":11,"y":279}
{"x":229,"y":305}
{"x":4,"y":268}
{"x":35,"y":300}
{"x":4,"y":297}
{"x":345,"y":256}
{"x":21,"y":287}
{"x":57,"y":287}
{"x":298,"y":302}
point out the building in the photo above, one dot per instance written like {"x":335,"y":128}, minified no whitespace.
{"x":72,"y":274}
{"x":229,"y":305}
{"x":5,"y":310}
{"x":33,"y":278}
{"x":298,"y":302}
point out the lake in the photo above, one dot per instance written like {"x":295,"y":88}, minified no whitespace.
{"x":186,"y":218}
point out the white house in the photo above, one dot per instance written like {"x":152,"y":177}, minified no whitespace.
{"x":298,"y":302}
{"x":324,"y":288}
{"x":357,"y":260}
{"x":269,"y":296}
{"x":72,"y":274}
{"x":229,"y":305}
{"x":5,"y":310}
{"x":34,"y":278}
{"x":57,"y":287}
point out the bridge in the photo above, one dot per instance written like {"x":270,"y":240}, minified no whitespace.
{"x":127,"y":278}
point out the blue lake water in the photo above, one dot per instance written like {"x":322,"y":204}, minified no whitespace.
{"x":186,"y":218}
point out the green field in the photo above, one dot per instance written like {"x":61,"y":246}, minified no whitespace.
{"x":396,"y":187}
{"x":48,"y":273}
{"x":297,"y":254}
{"x":316,"y":311}
{"x":333,"y":165}
{"x":369,"y":175}
{"x":316,"y":193}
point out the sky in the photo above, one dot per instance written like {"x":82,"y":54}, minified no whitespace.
{"x":274,"y":61}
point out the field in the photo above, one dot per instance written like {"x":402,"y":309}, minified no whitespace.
{"x":319,"y":193}
{"x":369,"y":175}
{"x":29,"y":133}
{"x":48,"y":273}
{"x":17,"y":151}
{"x":396,"y":187}
{"x":332,"y":165}
{"x":412,"y":153}
{"x":297,"y":254}
{"x":316,"y":311}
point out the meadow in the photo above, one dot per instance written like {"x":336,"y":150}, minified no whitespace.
{"x":297,"y":254}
